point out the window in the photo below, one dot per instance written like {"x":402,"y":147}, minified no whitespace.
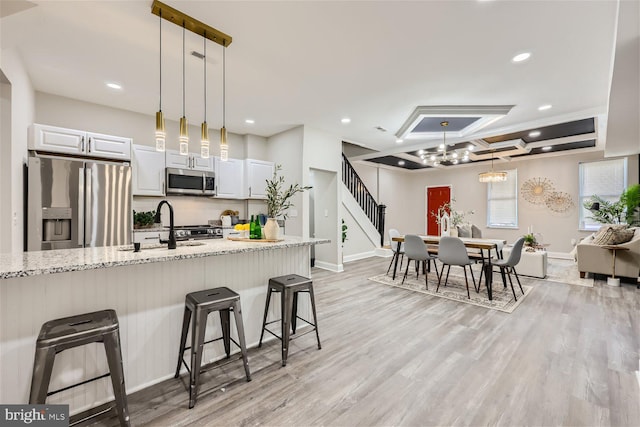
{"x":607,"y":179}
{"x":502,"y":202}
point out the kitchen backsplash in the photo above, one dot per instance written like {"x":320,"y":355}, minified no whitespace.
{"x":189,"y":210}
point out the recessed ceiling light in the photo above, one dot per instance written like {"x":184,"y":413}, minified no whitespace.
{"x":544,"y":107}
{"x":547,"y":148}
{"x":401,"y":163}
{"x":399,"y":141}
{"x":534,"y":134}
{"x":521,"y":57}
{"x":471,"y":147}
{"x":249,"y":121}
{"x":114,"y":86}
{"x":345,"y":120}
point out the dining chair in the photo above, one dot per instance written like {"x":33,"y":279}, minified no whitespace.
{"x":452,"y":251}
{"x":508,"y":266}
{"x":416,"y":250}
{"x":394,"y":247}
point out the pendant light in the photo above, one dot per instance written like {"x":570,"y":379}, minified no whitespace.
{"x":160,"y":132}
{"x":184,"y":131}
{"x":204,"y":139}
{"x":224,"y":147}
{"x":492,"y":176}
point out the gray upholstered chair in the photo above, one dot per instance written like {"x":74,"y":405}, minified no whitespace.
{"x":416,"y":250}
{"x":394,"y":247}
{"x":452,"y":251}
{"x":507,"y":266}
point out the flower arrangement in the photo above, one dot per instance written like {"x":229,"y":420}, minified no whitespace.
{"x":456,"y":217}
{"x":279,"y":198}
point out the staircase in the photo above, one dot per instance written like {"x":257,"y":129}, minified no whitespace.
{"x":374,"y":212}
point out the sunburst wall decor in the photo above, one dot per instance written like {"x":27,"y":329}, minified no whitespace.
{"x":536,"y":190}
{"x":559,"y":201}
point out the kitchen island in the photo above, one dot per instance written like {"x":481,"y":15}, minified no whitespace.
{"x":147,"y":290}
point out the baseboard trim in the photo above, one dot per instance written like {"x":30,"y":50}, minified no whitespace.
{"x":559,"y":255}
{"x":384,"y":252}
{"x":337,"y":268}
{"x":356,"y":257}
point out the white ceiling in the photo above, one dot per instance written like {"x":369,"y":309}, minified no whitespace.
{"x":306,"y":62}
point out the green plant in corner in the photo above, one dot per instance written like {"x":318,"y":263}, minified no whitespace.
{"x":631,"y":200}
{"x":278,"y":196}
{"x":344,"y":231}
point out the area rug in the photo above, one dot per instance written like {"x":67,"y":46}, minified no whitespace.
{"x":456,"y":290}
{"x":566,"y":271}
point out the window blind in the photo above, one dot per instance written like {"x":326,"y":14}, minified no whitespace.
{"x":502,"y":202}
{"x":605,"y":178}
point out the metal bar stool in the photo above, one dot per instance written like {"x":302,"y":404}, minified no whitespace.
{"x":62,"y":334}
{"x":199,"y":305}
{"x":289,"y":286}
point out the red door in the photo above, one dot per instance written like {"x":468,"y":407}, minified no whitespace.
{"x":436,"y":197}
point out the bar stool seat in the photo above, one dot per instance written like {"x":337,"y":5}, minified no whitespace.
{"x":69,"y":332}
{"x":289,"y":286}
{"x":198,"y":305}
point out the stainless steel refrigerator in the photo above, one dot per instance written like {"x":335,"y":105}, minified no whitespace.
{"x":74,"y":203}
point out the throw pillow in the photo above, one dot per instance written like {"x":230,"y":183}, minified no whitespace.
{"x":476,"y":233}
{"x":464,"y":230}
{"x":613,"y":234}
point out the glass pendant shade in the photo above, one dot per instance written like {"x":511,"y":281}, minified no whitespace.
{"x":492,"y":176}
{"x":204,"y":141}
{"x":160,"y":132}
{"x":224,"y":147}
{"x":184,"y":136}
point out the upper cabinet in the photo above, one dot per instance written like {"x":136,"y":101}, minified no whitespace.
{"x":229,"y":178}
{"x":191,"y":161}
{"x":148,"y":171}
{"x":72,"y":141}
{"x":256,"y":174}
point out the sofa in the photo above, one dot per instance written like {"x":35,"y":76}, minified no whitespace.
{"x":593,"y":258}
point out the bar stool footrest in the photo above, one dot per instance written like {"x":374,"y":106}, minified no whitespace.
{"x":108,"y":374}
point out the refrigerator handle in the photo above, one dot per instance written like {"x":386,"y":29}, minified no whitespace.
{"x":204,"y":183}
{"x":88,"y":211}
{"x":81,"y":207}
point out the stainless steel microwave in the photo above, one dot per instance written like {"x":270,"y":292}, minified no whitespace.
{"x":186,"y":181}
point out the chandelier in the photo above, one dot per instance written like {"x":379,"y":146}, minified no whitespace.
{"x":492,"y":176}
{"x":208,"y":33}
{"x":445,"y":156}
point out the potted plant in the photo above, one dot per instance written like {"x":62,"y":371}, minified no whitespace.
{"x":530,"y":240}
{"x":631,"y":200}
{"x":278,"y":202}
{"x":344,"y":231}
{"x":143,"y":219}
{"x":604,"y":211}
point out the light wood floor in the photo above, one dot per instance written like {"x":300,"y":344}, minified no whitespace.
{"x":567,"y":356}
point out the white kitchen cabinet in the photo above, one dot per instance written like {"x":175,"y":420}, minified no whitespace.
{"x":191,"y":161}
{"x":229,"y":178}
{"x":148,"y":171}
{"x":256,"y":174}
{"x":72,"y":141}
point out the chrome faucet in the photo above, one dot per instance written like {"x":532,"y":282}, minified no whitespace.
{"x":171,"y":243}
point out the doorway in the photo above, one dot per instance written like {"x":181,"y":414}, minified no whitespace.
{"x":435,"y":197}
{"x":323,"y":214}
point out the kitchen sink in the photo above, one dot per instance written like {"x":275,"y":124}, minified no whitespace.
{"x":162,"y":246}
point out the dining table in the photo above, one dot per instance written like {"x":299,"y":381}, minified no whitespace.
{"x":471,"y":243}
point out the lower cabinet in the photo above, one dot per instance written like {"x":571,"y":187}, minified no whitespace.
{"x":148,"y":171}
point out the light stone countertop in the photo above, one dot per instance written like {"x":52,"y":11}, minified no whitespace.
{"x":35,"y":263}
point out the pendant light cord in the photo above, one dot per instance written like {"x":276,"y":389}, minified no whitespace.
{"x":160,"y":68}
{"x":204,"y":41}
{"x":224,"y":83}
{"x":183,"y":85}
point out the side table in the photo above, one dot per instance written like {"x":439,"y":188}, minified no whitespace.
{"x":613,"y":280}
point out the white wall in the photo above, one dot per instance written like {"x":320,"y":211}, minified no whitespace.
{"x":322,"y":155}
{"x":285,"y":149}
{"x":5,"y":164}
{"x":404,"y":194}
{"x":22,"y":113}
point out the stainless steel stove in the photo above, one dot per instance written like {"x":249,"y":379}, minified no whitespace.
{"x":189,"y":232}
